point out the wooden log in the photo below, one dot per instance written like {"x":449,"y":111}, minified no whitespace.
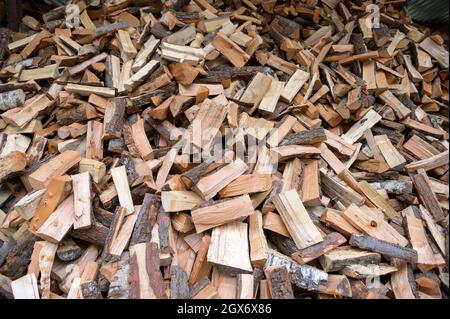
{"x":427,"y":196}
{"x":373,"y":224}
{"x":25,"y":287}
{"x":18,"y":256}
{"x":86,"y":90}
{"x":59,"y":223}
{"x":175,"y":201}
{"x":303,"y":276}
{"x":338,"y":285}
{"x":141,"y":141}
{"x":146,"y":220}
{"x":427,"y":164}
{"x":55,"y":167}
{"x":300,"y":227}
{"x":311,"y":193}
{"x":145,"y":278}
{"x":57,"y":190}
{"x":419,"y":242}
{"x":305,"y":137}
{"x":46,"y":258}
{"x":26,"y":206}
{"x":201,"y":267}
{"x":340,"y":257}
{"x":113,"y":120}
{"x":365,"y":241}
{"x":120,"y":180}
{"x":28,"y":112}
{"x":330,"y":242}
{"x":257,"y":240}
{"x":81,"y":184}
{"x":279,"y":283}
{"x":229,"y":247}
{"x":120,"y":286}
{"x":357,"y":130}
{"x":256,"y":89}
{"x":400,"y":281}
{"x":230,"y":50}
{"x":295,"y":83}
{"x":377,"y":199}
{"x":11,"y":99}
{"x":247,"y":184}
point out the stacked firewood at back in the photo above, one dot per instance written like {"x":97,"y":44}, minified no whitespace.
{"x":333,"y":182}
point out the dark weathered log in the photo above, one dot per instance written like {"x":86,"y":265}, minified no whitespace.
{"x":16,"y":263}
{"x":5,"y":288}
{"x":11,"y":99}
{"x":305,"y":137}
{"x":146,"y":219}
{"x":29,"y":86}
{"x":163,"y":220}
{"x":80,"y":113}
{"x":365,"y":241}
{"x":178,"y":283}
{"x":103,"y":216}
{"x":147,"y":263}
{"x":279,"y":283}
{"x":96,"y":234}
{"x":142,"y":101}
{"x":127,"y":160}
{"x":91,"y":290}
{"x":120,"y":287}
{"x":5,"y":248}
{"x":68,"y":250}
{"x":284,"y":244}
{"x":303,"y":276}
{"x":427,"y":196}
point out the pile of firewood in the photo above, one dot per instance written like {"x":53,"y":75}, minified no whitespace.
{"x":224,"y":149}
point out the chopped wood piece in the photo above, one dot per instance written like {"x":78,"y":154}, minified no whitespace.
{"x":55,"y":167}
{"x":400,"y":281}
{"x":25,"y":287}
{"x":81,"y":184}
{"x":373,"y":224}
{"x":279,"y":284}
{"x":330,"y":242}
{"x":303,"y":276}
{"x":223,"y":212}
{"x":120,"y":179}
{"x":365,"y":241}
{"x":210,"y":185}
{"x":338,"y":285}
{"x":357,"y":130}
{"x":146,"y":280}
{"x":427,"y":196}
{"x":59,"y":223}
{"x":229,"y":247}
{"x":257,"y":240}
{"x":377,"y":199}
{"x":295,"y":83}
{"x":247,"y":184}
{"x":230,"y":50}
{"x":113,"y":120}
{"x":296,"y":218}
{"x":341,"y":257}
